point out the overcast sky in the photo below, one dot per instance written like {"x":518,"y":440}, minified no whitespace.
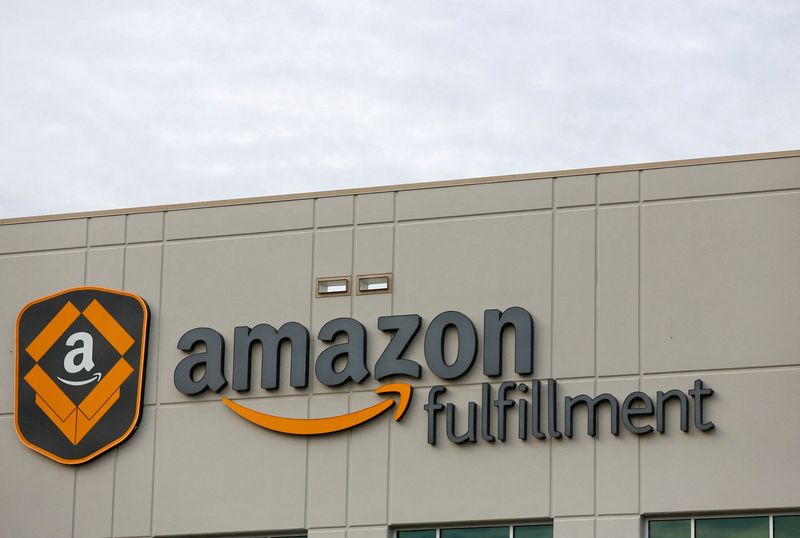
{"x":118,"y":104}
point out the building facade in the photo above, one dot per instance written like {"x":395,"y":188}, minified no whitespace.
{"x":591,"y":299}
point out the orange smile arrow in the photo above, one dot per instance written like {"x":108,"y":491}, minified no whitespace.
{"x":317,"y":426}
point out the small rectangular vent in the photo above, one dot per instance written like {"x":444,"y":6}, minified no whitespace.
{"x":369,"y":284}
{"x":332,"y":286}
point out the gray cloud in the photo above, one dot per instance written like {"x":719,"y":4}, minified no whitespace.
{"x":124,"y":104}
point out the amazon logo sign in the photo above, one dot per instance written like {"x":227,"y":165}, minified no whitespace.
{"x":345,"y":360}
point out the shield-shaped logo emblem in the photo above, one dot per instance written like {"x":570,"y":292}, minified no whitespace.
{"x":80,"y":362}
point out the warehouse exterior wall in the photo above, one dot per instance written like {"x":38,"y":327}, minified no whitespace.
{"x":637,"y":280}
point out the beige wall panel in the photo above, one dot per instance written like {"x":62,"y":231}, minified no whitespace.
{"x":719,"y":283}
{"x":374,"y":250}
{"x":377,"y":207}
{"x":229,"y":282}
{"x":573,"y":459}
{"x":104,"y":267}
{"x":143,"y":277}
{"x":34,"y":276}
{"x":334,"y":211}
{"x":326,"y":495}
{"x":573,"y":528}
{"x":467,"y":266}
{"x":574,"y":288}
{"x":474,"y":199}
{"x":617,"y":457}
{"x":748,"y":462}
{"x":37,"y":496}
{"x":107,"y":230}
{"x":216,"y":472}
{"x":133,"y":482}
{"x":619,"y":527}
{"x":32,"y":236}
{"x":442,"y":483}
{"x":242,"y":219}
{"x":618,"y":187}
{"x":368,"y":468}
{"x":94,"y":494}
{"x":144,"y":227}
{"x":618,"y":290}
{"x":374,"y":532}
{"x":575,"y":190}
{"x":724,"y":178}
{"x":333,"y":253}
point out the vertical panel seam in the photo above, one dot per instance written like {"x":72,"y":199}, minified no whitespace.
{"x":75,"y":473}
{"x":387,"y":516}
{"x":155,"y":373}
{"x":639,"y":330}
{"x":353,"y":284}
{"x":594,"y":347}
{"x":116,"y":449}
{"x":312,"y":343}
{"x":552,"y":316}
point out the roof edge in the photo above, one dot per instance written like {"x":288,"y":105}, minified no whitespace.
{"x":408,"y":186}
